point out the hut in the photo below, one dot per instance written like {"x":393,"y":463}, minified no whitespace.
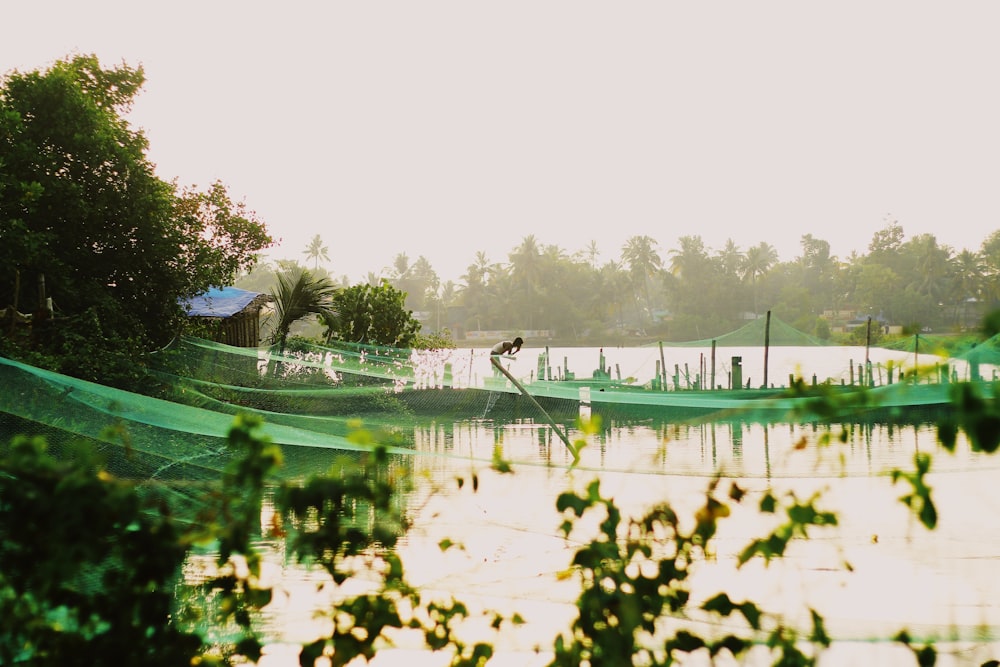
{"x":231,"y":314}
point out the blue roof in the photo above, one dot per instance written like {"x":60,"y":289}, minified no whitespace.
{"x":220,"y":302}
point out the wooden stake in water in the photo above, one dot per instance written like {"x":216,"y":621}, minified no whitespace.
{"x":562,"y":436}
{"x":663,"y":365}
{"x":767,"y":344}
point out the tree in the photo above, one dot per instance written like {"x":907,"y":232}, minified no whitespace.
{"x":443,"y":302}
{"x":877,"y":289}
{"x":640,"y":255}
{"x":886,"y":245}
{"x":373,"y":315}
{"x":424,"y":284}
{"x":316,"y":251}
{"x":299,"y":294}
{"x":611,"y":283}
{"x":590,"y":253}
{"x":730,"y":258}
{"x":525,"y":271}
{"x":691,"y":267}
{"x":989,"y":252}
{"x":968,"y":284}
{"x":85,"y":222}
{"x":887,"y":240}
{"x":816,"y":272}
{"x":401,"y":265}
{"x":727,"y":290}
{"x":758,"y":260}
{"x":931,"y":272}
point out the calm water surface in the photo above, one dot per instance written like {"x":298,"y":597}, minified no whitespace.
{"x":879,"y":571}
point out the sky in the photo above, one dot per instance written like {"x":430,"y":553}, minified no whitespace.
{"x":444,"y":128}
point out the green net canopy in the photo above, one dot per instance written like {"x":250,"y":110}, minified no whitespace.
{"x":445,"y":413}
{"x":757,"y":332}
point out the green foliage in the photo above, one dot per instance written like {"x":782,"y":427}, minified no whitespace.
{"x":705,"y":292}
{"x":973,"y":414}
{"x":634,"y":575}
{"x":85,"y":221}
{"x":919,"y":498}
{"x":800,"y":516}
{"x":299,"y":294}
{"x":438,"y":340}
{"x":926,"y":656}
{"x":373,"y":315}
{"x":87,"y":565}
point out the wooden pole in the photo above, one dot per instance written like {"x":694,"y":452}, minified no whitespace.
{"x":713,"y":364}
{"x":524,"y":392}
{"x":868,"y":340}
{"x":663,"y":365}
{"x":767,"y":344}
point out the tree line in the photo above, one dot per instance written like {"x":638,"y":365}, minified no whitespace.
{"x":692,"y":292}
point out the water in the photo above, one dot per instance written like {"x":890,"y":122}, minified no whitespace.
{"x":938,"y":584}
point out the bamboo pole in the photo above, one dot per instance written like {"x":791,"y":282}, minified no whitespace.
{"x":663,"y":366}
{"x":713,"y":365}
{"x":868,"y":339}
{"x":767,"y":344}
{"x":562,"y":436}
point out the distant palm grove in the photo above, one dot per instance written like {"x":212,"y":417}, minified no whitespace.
{"x":693,"y":292}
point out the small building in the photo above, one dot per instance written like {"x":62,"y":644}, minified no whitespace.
{"x":231,"y":314}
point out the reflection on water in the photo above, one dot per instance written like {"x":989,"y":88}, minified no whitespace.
{"x":732,"y":448}
{"x":879,"y":571}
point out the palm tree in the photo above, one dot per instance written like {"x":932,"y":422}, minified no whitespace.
{"x":691,"y":268}
{"x":968,"y":284}
{"x":730,"y":258}
{"x":611,"y":284}
{"x":477,"y":280}
{"x":401,"y":265}
{"x":931,"y":263}
{"x":422,"y":284}
{"x":316,"y":251}
{"x":757,"y":261}
{"x":690,"y":258}
{"x":297,"y":295}
{"x":526,"y":272}
{"x":639,"y":253}
{"x":444,"y":301}
{"x":589,"y":254}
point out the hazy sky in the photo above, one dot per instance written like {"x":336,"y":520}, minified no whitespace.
{"x":445,"y":128}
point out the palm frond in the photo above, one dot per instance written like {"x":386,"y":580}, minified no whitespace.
{"x":299,"y":294}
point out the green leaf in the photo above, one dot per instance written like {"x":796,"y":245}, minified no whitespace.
{"x":686,"y":642}
{"x":768,"y":504}
{"x":720,"y":604}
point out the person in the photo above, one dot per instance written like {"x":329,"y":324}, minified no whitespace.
{"x":508,"y":347}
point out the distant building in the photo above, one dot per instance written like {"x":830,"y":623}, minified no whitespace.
{"x":848,"y":319}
